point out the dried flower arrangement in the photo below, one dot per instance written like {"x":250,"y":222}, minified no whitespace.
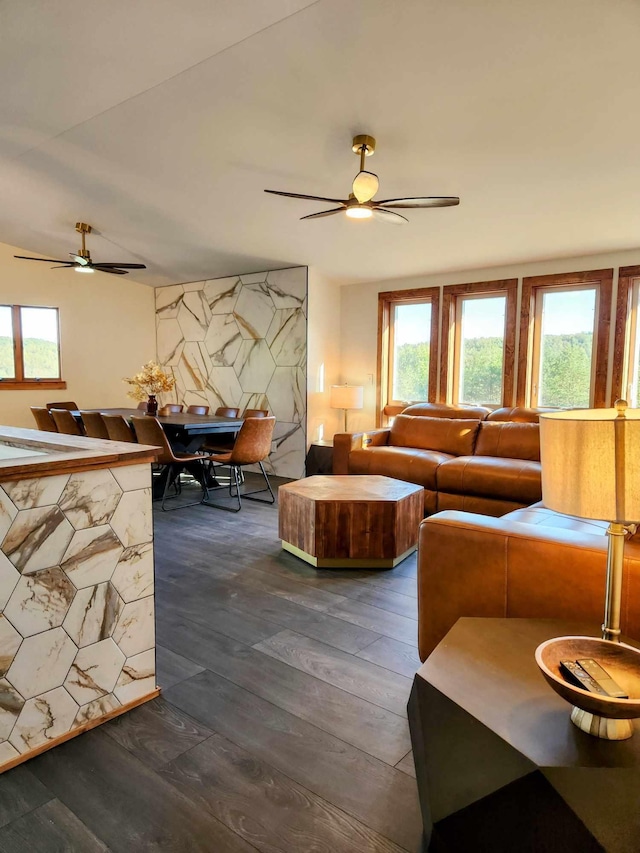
{"x":151,"y":380}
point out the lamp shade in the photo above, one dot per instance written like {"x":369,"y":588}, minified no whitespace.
{"x":591,"y":463}
{"x":347,"y":397}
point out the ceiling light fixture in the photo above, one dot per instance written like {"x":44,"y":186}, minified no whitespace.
{"x":360,"y":204}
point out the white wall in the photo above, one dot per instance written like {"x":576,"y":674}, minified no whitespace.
{"x":323,"y":356}
{"x":107,"y":331}
{"x":359,"y":324}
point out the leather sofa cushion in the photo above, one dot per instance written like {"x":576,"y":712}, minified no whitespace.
{"x":516,"y":480}
{"x":442,"y":410}
{"x":509,"y":440}
{"x":539,"y":514}
{"x":519,"y":414}
{"x":401,"y":463}
{"x":455,"y":436}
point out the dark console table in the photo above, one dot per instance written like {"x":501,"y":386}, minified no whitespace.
{"x":319,"y":458}
{"x":500,"y":767}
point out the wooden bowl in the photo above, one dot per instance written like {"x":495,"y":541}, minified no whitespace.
{"x":622,"y":662}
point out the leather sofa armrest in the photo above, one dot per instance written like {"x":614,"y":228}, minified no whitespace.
{"x":345,"y":442}
{"x":475,"y":565}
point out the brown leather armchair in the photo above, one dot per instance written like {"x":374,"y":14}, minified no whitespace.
{"x":531,"y":563}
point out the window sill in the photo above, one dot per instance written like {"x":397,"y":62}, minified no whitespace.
{"x":32,"y":385}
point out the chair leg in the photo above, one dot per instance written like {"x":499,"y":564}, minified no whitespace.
{"x":248,"y":495}
{"x":205,"y":490}
{"x":234,"y":480}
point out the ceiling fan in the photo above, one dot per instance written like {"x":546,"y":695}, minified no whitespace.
{"x":360,"y":204}
{"x":82,"y":262}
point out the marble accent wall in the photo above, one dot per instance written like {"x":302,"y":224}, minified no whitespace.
{"x":242,"y":341}
{"x":76,"y":602}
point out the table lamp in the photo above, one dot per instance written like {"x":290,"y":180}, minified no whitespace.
{"x":591,"y":468}
{"x":346,"y":397}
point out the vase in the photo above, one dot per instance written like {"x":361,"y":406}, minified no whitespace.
{"x":152,"y":405}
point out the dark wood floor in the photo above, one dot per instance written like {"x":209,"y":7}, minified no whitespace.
{"x":281,"y":725}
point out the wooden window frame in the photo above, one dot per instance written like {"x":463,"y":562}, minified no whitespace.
{"x":622,"y":337}
{"x":603,"y":279}
{"x":451,"y":295}
{"x":19,"y":382}
{"x":386,"y":302}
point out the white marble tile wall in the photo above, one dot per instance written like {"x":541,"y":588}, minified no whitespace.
{"x":241,"y":341}
{"x":76,"y":602}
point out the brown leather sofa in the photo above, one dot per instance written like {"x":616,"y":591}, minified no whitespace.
{"x":465,"y":457}
{"x":531,"y":563}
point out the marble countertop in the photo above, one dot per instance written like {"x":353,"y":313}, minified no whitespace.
{"x":45,"y":453}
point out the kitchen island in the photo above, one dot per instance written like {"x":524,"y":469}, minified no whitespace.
{"x":77,"y":639}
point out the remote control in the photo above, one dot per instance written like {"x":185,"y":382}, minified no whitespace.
{"x":576,"y":675}
{"x":602,"y":677}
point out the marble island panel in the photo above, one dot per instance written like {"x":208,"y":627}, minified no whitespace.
{"x":77,"y":643}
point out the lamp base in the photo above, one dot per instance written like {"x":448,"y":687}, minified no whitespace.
{"x":602,"y":727}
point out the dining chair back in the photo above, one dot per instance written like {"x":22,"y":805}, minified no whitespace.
{"x":251,"y":447}
{"x":142,"y":406}
{"x":170,"y":409}
{"x":118,"y":429}
{"x":255,"y":413}
{"x":65,"y":422}
{"x":94,"y":425}
{"x":227,"y":412}
{"x":44,"y":421}
{"x":197,"y":410}
{"x":67,"y":405}
{"x":148,"y":430}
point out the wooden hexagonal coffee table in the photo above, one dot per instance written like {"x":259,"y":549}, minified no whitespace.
{"x":352,"y":521}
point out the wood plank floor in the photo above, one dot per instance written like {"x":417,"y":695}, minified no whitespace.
{"x":281,"y":725}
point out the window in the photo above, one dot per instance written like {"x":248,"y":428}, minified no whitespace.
{"x":479,"y":352}
{"x":478,"y":334}
{"x":563,"y":363}
{"x":407,"y":347}
{"x":564,"y":340}
{"x":29,"y":347}
{"x":626,"y":353}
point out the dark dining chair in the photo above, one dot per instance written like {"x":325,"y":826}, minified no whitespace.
{"x":94,"y":425}
{"x":44,"y":421}
{"x":148,"y":430}
{"x":251,"y":447}
{"x":170,"y":409}
{"x":118,"y":429}
{"x":142,"y":406}
{"x":197,"y":410}
{"x":255,"y":413}
{"x":67,"y":405}
{"x":227,"y":412}
{"x":65,"y":422}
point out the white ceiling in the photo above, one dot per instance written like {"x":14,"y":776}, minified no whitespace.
{"x":160,"y":123}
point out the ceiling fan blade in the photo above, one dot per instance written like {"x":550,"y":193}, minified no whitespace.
{"x":110,"y":270}
{"x":310,"y":197}
{"x":389,"y":216}
{"x":331,"y":212}
{"x":106,"y":266}
{"x":64,"y":266}
{"x":79,"y":259}
{"x":44,"y":260}
{"x":428,"y":201}
{"x":365,"y":186}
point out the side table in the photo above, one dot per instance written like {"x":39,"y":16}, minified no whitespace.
{"x":319,"y":458}
{"x":499,"y":765}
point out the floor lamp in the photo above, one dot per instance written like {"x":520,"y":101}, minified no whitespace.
{"x":591,"y":469}
{"x":346,"y":397}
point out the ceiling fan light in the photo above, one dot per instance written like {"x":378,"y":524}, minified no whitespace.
{"x":359,"y":212}
{"x":365,"y":186}
{"x":84,"y":269}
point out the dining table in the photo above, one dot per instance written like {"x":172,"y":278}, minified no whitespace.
{"x":181,"y":427}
